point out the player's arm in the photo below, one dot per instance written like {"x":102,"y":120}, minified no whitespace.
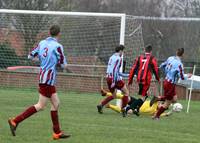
{"x":163,"y":65}
{"x":133,"y":71}
{"x":34,"y":52}
{"x":181,"y":74}
{"x":155,"y":69}
{"x":124,"y":74}
{"x":116,"y":70}
{"x":61,"y":57}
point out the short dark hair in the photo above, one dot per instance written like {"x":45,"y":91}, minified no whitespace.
{"x":54,"y":30}
{"x":148,"y":48}
{"x":119,"y":48}
{"x":180,"y":52}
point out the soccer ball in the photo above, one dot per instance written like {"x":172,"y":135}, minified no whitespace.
{"x":177,"y":107}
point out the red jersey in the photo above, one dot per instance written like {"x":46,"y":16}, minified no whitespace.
{"x":143,"y":67}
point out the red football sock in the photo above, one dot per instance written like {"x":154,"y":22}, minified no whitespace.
{"x":124,"y":101}
{"x":27,"y":113}
{"x":160,"y":111}
{"x":54,"y":118}
{"x":106,"y":100}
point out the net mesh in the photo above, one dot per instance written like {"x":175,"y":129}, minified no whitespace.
{"x":88,"y":43}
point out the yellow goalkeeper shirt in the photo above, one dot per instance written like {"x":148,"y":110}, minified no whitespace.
{"x":146,"y":109}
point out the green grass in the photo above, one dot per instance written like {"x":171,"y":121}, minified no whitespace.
{"x":78,"y":116}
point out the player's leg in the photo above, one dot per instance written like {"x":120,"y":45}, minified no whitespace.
{"x":108,"y":93}
{"x":125,"y":98}
{"x":109,"y":98}
{"x":27,"y":113}
{"x":105,"y":101}
{"x":135,"y":106}
{"x":54,"y":117}
{"x":114,"y":108}
{"x":169,"y":93}
{"x":175,"y":98}
{"x":162,"y":108}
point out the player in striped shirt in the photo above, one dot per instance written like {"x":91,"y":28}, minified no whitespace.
{"x":50,"y":54}
{"x":114,"y":79}
{"x":143,"y":67}
{"x":173,"y":69}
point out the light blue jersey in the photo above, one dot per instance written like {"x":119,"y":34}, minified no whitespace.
{"x":173,"y":69}
{"x":113,"y":68}
{"x":50,"y":53}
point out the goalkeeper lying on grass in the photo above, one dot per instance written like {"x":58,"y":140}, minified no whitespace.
{"x":145,"y":109}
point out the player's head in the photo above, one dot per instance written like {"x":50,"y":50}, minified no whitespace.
{"x":148,"y":48}
{"x":54,"y":30}
{"x":180,"y":52}
{"x":119,"y":49}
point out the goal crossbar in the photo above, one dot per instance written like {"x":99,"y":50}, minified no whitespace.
{"x":167,"y":18}
{"x":61,"y":13}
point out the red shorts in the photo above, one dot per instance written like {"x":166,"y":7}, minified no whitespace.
{"x":118,"y":85}
{"x":169,"y":90}
{"x":46,"y":90}
{"x":143,"y":88}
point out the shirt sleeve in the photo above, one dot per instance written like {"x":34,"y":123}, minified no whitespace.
{"x":60,"y":56}
{"x":34,"y":52}
{"x":163,"y":65}
{"x":155,"y":68}
{"x":133,"y":70}
{"x":181,"y":72}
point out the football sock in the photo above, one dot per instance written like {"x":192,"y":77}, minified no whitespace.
{"x":106,"y":100}
{"x":115,"y":108}
{"x":124,"y":101}
{"x":160,"y":111}
{"x":27,"y":113}
{"x":54,"y":118}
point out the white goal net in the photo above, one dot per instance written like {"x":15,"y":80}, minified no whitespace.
{"x":89,"y":39}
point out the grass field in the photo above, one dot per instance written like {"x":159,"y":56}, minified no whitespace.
{"x":79,"y":117}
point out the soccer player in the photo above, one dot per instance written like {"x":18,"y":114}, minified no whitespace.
{"x":114,"y":79}
{"x":173,"y":69}
{"x":50,"y":54}
{"x":145,"y":109}
{"x":143,"y":67}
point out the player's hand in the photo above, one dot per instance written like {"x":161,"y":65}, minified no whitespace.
{"x":189,"y":75}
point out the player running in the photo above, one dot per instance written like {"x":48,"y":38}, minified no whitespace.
{"x":50,"y":54}
{"x":173,"y":69}
{"x":114,"y":79}
{"x":143,"y":67}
